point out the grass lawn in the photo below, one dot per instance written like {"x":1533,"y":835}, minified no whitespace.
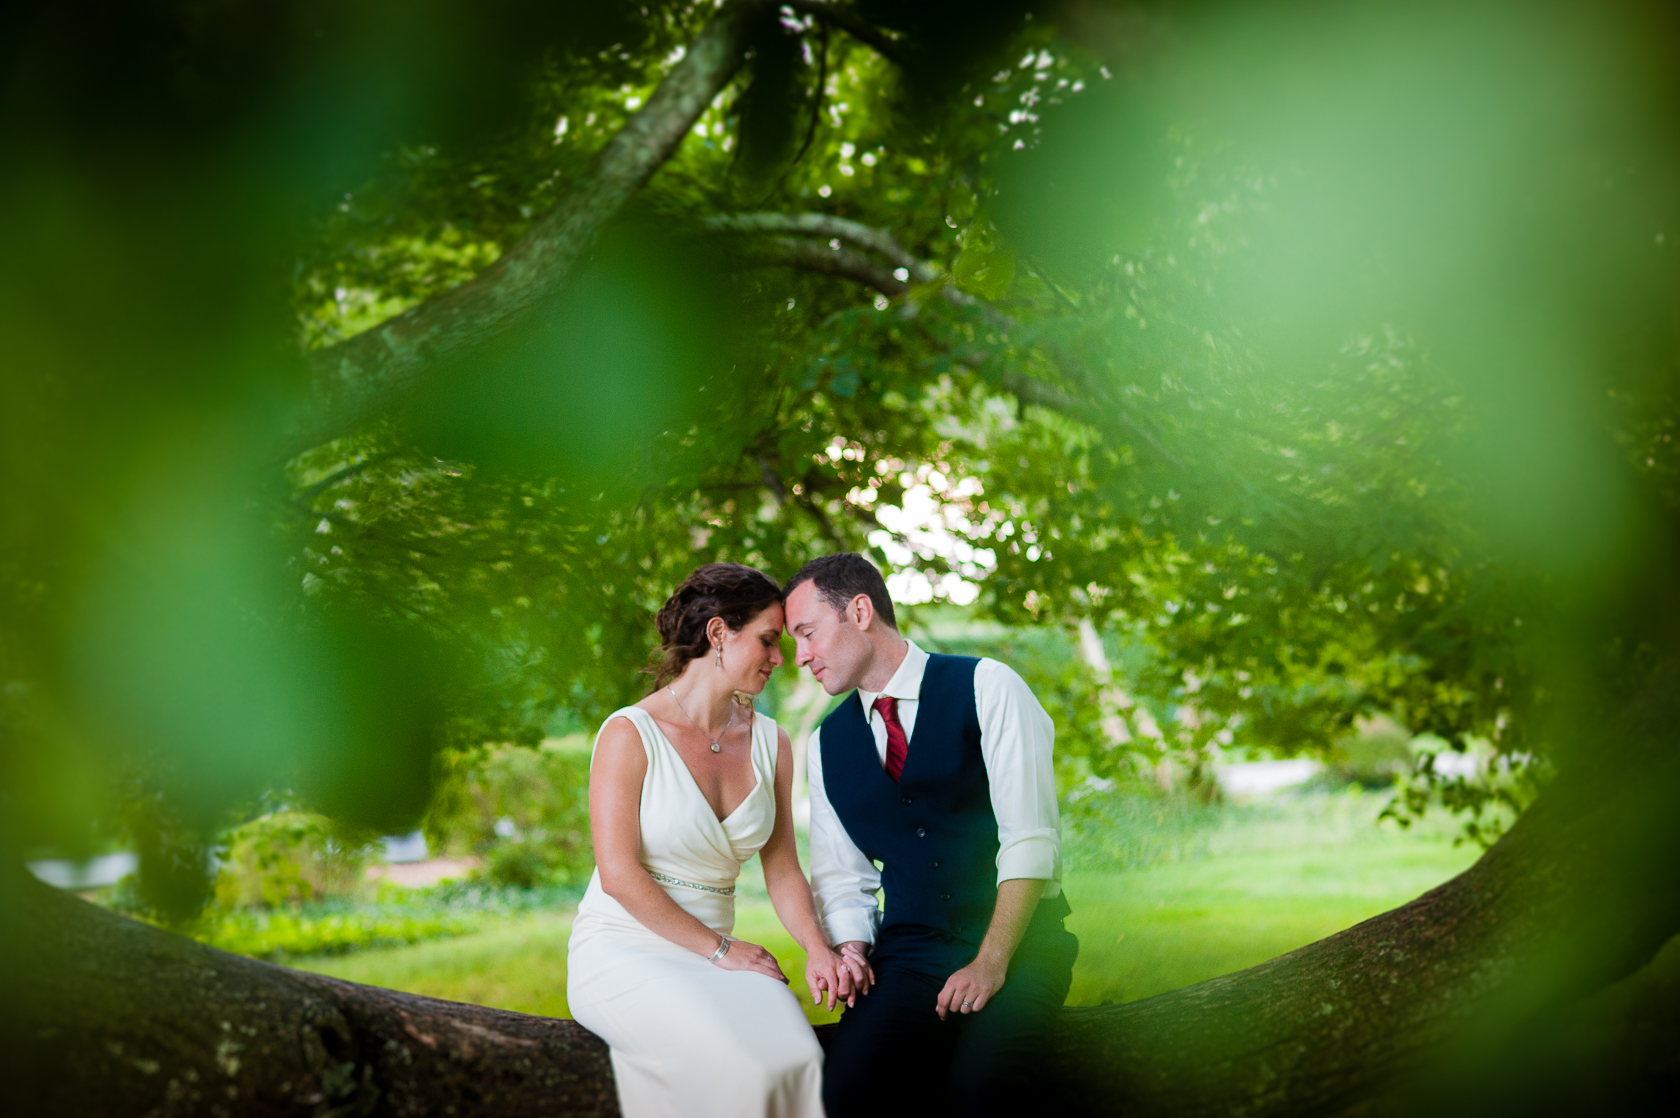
{"x":519,"y":966}
{"x":1144,"y":932}
{"x":1270,"y":880}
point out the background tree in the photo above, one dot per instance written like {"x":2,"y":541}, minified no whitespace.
{"x":1209,"y":327}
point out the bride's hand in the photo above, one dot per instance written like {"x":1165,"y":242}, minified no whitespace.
{"x":743,"y":955}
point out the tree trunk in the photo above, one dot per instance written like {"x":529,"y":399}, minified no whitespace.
{"x":113,"y":1017}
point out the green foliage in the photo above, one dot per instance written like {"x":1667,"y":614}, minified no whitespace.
{"x":1081,"y":708}
{"x":984,"y":268}
{"x":279,"y":935}
{"x":286,"y":858}
{"x":391,"y":917}
{"x":1205,"y":382}
{"x":1377,"y":754}
{"x":524,"y":811}
{"x":1488,"y":800}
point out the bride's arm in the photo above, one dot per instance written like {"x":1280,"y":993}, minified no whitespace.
{"x":615,"y":801}
{"x":826,"y":971}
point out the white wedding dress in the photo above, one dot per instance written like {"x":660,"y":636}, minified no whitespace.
{"x":688,"y":1038}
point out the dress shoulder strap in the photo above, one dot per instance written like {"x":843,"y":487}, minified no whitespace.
{"x":764,"y":734}
{"x":764,"y":752}
{"x":646,"y":728}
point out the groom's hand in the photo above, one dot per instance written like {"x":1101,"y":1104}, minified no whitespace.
{"x":856,"y":976}
{"x":971,"y":988}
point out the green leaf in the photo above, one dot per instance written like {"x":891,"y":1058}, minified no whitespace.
{"x":983,"y":270}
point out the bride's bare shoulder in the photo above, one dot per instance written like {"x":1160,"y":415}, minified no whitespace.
{"x":619,"y":744}
{"x":620,"y":726}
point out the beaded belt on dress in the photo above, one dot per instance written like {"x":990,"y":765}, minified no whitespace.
{"x":665,"y":879}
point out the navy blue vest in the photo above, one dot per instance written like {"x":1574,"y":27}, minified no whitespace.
{"x":933,"y":830}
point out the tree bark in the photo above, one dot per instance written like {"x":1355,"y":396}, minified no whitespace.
{"x":836,"y":15}
{"x":114,"y":1017}
{"x":828,"y":225}
{"x":357,"y":379}
{"x":813,"y":257}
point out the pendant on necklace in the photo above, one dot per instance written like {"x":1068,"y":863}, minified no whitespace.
{"x":716,"y":748}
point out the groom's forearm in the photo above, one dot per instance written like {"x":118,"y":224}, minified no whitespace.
{"x":969,"y":989}
{"x":1017,"y":901}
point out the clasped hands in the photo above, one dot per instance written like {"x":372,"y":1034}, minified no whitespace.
{"x":839,"y":974}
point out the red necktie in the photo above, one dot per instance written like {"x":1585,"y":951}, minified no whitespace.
{"x":897,"y":744}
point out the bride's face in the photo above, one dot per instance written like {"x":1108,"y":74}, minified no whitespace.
{"x":752,"y":652}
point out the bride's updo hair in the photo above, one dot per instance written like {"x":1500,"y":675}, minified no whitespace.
{"x":731,"y":591}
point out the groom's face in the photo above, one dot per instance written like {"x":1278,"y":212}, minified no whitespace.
{"x":825,"y":640}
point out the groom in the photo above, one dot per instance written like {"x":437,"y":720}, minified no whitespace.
{"x":937,"y":770}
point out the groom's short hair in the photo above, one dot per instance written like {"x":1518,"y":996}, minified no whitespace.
{"x":841,"y":577}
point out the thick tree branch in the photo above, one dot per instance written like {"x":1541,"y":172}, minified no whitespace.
{"x":359,"y":377}
{"x":813,"y":256}
{"x":851,"y":265}
{"x":108,"y":1016}
{"x":878,"y":241}
{"x":842,"y":17}
{"x":817,"y":257}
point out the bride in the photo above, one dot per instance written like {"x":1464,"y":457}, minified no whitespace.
{"x":684,"y":787}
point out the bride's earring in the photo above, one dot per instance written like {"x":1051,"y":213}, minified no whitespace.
{"x":719,"y":660}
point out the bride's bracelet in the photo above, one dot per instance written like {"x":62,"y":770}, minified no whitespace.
{"x":722,"y":948}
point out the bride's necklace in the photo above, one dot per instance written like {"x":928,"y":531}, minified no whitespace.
{"x":716,"y":748}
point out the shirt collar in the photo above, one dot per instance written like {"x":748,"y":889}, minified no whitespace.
{"x":906,"y":683}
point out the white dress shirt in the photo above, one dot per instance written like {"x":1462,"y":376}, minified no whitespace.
{"x":1016,"y":739}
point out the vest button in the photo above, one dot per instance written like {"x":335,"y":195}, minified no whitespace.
{"x":921,"y":832}
{"x":934,"y":864}
{"x":907,"y":800}
{"x":944,"y":896}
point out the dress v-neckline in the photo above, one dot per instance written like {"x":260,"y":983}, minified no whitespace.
{"x":694,"y":782}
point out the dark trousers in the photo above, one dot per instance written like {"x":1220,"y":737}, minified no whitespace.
{"x":891,"y":1054}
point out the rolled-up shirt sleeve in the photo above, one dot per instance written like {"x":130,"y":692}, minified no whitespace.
{"x":1017,"y":740}
{"x":845,"y":884}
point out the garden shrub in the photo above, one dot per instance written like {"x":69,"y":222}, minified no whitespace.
{"x":288,"y":857}
{"x":523,"y":811}
{"x":1374,"y":755}
{"x":395,"y":916}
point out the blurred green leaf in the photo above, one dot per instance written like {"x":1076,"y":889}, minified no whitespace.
{"x":984,"y":268}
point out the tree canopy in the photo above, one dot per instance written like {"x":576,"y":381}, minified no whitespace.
{"x":369,"y":391}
